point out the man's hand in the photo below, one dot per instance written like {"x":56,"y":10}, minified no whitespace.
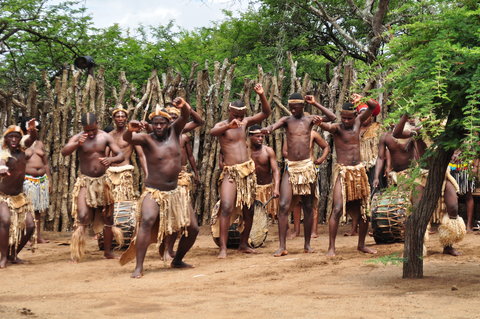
{"x":82,"y":139}
{"x":375,"y":183}
{"x":319,"y":161}
{"x":106,"y":161}
{"x":179,"y":102}
{"x":4,"y":171}
{"x":265,"y":130}
{"x":356,"y":98}
{"x":135,"y":126}
{"x":31,"y":125}
{"x":310,"y":99}
{"x":259,"y":89}
{"x":234,"y":124}
{"x":276,"y":193}
{"x":317,"y":120}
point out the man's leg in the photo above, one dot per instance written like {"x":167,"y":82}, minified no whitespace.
{"x":228,"y":193}
{"x":38,"y":219}
{"x":307,"y":204}
{"x":150,"y":214}
{"x":315,"y":220}
{"x":335,"y":217}
{"x":4,"y":233}
{"x":451,"y":203}
{"x":107,"y":230}
{"x":355,"y":208}
{"x":469,"y":202}
{"x":248,"y":213}
{"x":165,"y":250}
{"x":185,"y":242}
{"x":84,"y":216}
{"x":29,"y":229}
{"x":285,"y":203}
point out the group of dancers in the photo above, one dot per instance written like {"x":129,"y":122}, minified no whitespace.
{"x":249,"y":172}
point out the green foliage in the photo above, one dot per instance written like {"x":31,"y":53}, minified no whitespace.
{"x":434,"y":74}
{"x":392,"y":259}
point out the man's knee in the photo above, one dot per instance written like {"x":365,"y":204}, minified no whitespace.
{"x":29,"y":223}
{"x":337,"y":212}
{"x":193,"y":229}
{"x":226,"y":208}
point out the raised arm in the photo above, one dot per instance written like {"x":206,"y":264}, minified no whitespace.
{"x":329,"y":115}
{"x":382,"y":153}
{"x":281,"y":123}
{"x":182,"y":120}
{"x":132,"y":135}
{"x":74,"y":143}
{"x":371,"y":103}
{"x":32,"y":133}
{"x":332,"y":128}
{"x":400,"y":132}
{"x":275,"y":171}
{"x":266,"y":110}
{"x":197,"y":121}
{"x":317,"y":138}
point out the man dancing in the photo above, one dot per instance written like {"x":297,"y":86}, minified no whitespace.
{"x":300,"y":176}
{"x":92,"y":197}
{"x":16,"y":221}
{"x":239,"y":180}
{"x":163,"y":208}
{"x":121,"y":174}
{"x":37,"y":179}
{"x":350,"y":187}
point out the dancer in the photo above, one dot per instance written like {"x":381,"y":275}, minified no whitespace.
{"x":92,"y":196}
{"x":163,"y":208}
{"x":17,"y":225}
{"x":239,"y":180}
{"x":350,"y":187}
{"x":300,"y":176}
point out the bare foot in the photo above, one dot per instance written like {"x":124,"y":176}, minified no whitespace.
{"x":16,"y":260}
{"x":247,"y":250}
{"x":280,"y":252}
{"x":42,"y":241}
{"x":331,"y":252}
{"x":137,"y":274}
{"x":314,"y":235}
{"x":164,"y":254}
{"x":222,"y":254}
{"x":181,"y":264}
{"x":449,"y":250}
{"x":469,"y":230}
{"x":366,"y":250}
{"x":291,"y":235}
{"x":110,"y":256}
{"x":308,"y":250}
{"x":351,"y":233}
{"x":3,"y":263}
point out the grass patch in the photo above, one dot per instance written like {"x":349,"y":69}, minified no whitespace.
{"x":392,"y":259}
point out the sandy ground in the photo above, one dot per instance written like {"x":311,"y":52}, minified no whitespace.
{"x":243,"y":286}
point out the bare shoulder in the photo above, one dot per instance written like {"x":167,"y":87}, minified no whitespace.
{"x":186,"y":137}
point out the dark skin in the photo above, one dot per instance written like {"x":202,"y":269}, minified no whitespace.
{"x":11,"y":183}
{"x":232,"y":136}
{"x":37,"y":165}
{"x":162,"y":150}
{"x":266,"y":167}
{"x":298,"y":131}
{"x":91,"y":145}
{"x":346,"y":137}
{"x":120,"y":119}
{"x":315,"y":138}
{"x":450,"y":194}
{"x":187,"y":156}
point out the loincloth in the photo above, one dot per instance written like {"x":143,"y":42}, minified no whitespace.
{"x":36,"y":189}
{"x":302,"y":174}
{"x":369,"y":144}
{"x":174,"y":212}
{"x":19,"y":206}
{"x":121,"y":181}
{"x":243,"y":175}
{"x":185,"y":178}
{"x":236,"y":216}
{"x":263,"y":193}
{"x":354,"y":183}
{"x":98,"y":191}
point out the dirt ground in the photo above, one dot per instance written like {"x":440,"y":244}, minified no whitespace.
{"x":295,"y":286}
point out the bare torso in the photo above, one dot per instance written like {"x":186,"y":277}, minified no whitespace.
{"x":13,"y":184}
{"x":402,"y":153}
{"x":263,"y":169}
{"x":163,"y":161}
{"x":90,"y":152}
{"x":36,"y":165}
{"x":233,"y":145}
{"x":125,"y":147}
{"x":298,"y":137}
{"x":347,"y":145}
